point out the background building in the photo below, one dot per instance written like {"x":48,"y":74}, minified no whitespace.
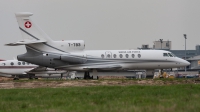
{"x":181,"y":53}
{"x":166,"y":45}
{"x":189,"y":53}
{"x":193,"y":56}
{"x":194,"y":62}
{"x":184,"y":54}
{"x":145,"y":46}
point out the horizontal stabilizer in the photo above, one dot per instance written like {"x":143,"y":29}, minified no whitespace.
{"x":25,"y":42}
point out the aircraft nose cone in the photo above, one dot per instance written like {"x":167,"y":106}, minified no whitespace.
{"x":186,"y":63}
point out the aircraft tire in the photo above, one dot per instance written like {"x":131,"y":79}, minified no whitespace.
{"x":16,"y":79}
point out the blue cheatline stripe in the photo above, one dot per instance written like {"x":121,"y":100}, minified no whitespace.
{"x":39,"y":39}
{"x":29,"y":33}
{"x":53,"y":47}
{"x":93,"y":64}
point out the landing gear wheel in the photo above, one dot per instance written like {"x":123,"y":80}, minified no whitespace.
{"x":16,"y":79}
{"x":31,"y":76}
{"x":87,"y":75}
{"x":61,"y":76}
{"x":91,"y":77}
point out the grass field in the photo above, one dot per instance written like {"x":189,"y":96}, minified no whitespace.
{"x":173,"y":98}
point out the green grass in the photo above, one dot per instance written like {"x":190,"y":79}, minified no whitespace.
{"x":174,"y":98}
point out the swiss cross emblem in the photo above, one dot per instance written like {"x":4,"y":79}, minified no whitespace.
{"x":27,"y":24}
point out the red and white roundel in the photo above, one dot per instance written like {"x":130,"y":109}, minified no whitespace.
{"x":27,"y":24}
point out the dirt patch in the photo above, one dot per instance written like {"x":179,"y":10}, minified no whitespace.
{"x":6,"y":84}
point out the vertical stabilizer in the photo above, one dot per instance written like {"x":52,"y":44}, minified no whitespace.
{"x":29,"y":30}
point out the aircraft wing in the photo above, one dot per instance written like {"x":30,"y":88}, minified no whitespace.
{"x":109,"y":67}
{"x":37,"y":69}
{"x":45,"y":70}
{"x":24,"y":42}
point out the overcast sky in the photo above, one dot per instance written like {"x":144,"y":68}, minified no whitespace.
{"x":104,"y":24}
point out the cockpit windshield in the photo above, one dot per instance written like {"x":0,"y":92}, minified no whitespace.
{"x":170,"y":55}
{"x":173,"y":54}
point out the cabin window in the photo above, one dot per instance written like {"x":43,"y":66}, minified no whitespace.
{"x":121,"y":56}
{"x":102,"y":56}
{"x":23,"y":63}
{"x":170,"y":55}
{"x":114,"y":55}
{"x":127,"y":55}
{"x":11,"y":63}
{"x":27,"y":63}
{"x":133,"y":55}
{"x":165,"y":55}
{"x":139,"y":55}
{"x":19,"y":63}
{"x":108,"y":56}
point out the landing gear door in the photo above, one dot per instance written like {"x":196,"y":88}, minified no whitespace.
{"x":108,"y":54}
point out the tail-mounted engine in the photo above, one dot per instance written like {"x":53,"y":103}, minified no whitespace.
{"x":74,"y":58}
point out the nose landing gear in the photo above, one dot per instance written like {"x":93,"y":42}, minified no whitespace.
{"x":16,"y":77}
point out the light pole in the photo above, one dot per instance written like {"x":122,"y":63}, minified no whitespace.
{"x":185,"y":47}
{"x":161,"y":41}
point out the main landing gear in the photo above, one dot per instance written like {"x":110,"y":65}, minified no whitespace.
{"x":32,"y":76}
{"x":94,"y":75}
{"x":87,"y":75}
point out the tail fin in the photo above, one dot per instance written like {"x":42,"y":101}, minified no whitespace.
{"x":29,"y":30}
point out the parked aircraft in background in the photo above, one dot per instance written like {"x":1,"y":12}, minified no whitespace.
{"x":17,"y":69}
{"x":71,"y":54}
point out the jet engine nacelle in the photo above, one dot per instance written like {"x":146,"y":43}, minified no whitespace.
{"x":74,"y":58}
{"x":52,"y":60}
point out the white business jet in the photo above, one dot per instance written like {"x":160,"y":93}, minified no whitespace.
{"x":71,"y":54}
